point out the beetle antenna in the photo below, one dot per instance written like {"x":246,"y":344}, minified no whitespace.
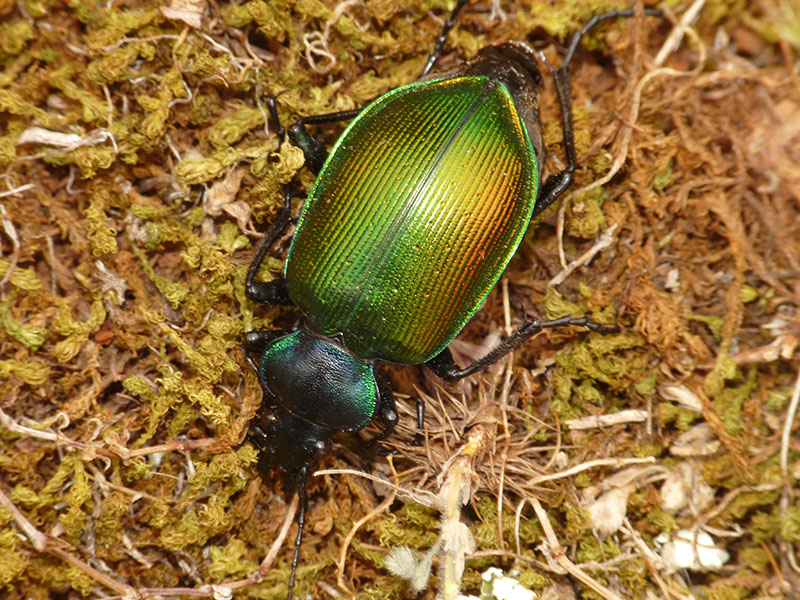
{"x":301,"y":521}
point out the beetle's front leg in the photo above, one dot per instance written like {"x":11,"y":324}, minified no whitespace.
{"x":386,"y":412}
{"x":256,"y":342}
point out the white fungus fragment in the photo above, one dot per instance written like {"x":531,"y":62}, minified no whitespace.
{"x":502,"y":587}
{"x":687,"y":550}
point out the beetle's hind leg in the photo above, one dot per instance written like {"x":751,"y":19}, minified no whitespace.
{"x":558,"y":183}
{"x":445,"y":367}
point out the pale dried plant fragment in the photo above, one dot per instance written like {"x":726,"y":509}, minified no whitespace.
{"x":188,"y":11}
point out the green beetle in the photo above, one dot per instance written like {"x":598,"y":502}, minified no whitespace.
{"x":412,"y":219}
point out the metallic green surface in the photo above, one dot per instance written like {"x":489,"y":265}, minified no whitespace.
{"x":344,"y":400}
{"x":413,"y":218}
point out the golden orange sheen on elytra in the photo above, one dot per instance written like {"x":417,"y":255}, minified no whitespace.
{"x":414,"y":217}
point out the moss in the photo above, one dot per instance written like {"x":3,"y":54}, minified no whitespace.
{"x":586,"y":218}
{"x":663,"y":179}
{"x":713,"y":323}
{"x":14,"y":38}
{"x":157,"y":357}
{"x":231,"y":560}
{"x":725,"y":592}
{"x":74,"y":332}
{"x":663,"y":521}
{"x":13,"y":560}
{"x":416,"y":526}
{"x":29,"y":336}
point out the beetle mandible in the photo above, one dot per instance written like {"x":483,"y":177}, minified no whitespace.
{"x":412,"y":219}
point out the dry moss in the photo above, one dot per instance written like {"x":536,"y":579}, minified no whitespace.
{"x":126,"y":397}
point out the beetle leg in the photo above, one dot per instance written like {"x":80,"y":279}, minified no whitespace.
{"x":558,"y":183}
{"x":442,"y":38}
{"x":272,"y":292}
{"x":445,"y":367}
{"x":256,"y":342}
{"x":315,"y":153}
{"x":386,"y":412}
{"x":418,"y":437}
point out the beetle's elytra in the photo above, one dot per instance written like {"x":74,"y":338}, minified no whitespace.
{"x":396,"y":257}
{"x":412,"y":219}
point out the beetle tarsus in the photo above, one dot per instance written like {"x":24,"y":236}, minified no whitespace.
{"x":597,"y":19}
{"x":560,"y":182}
{"x":442,"y":38}
{"x":272,"y":107}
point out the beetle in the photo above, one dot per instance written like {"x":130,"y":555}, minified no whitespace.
{"x":411,"y":221}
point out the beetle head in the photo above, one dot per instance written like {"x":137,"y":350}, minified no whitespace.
{"x":289,"y":444}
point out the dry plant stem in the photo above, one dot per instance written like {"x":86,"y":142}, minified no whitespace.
{"x":772,"y":563}
{"x":647,"y":555}
{"x":421,"y":496}
{"x":291,"y":511}
{"x":560,"y":557}
{"x":44,"y":543}
{"x":508,"y":369}
{"x":603,"y":242}
{"x":721,"y":505}
{"x":11,"y":232}
{"x":506,"y":447}
{"x":356,"y":526}
{"x":455,"y":493}
{"x":597,"y":421}
{"x":38,"y":539}
{"x":600,"y":462}
{"x":787,"y":426}
{"x":114,"y":450}
{"x":676,"y":35}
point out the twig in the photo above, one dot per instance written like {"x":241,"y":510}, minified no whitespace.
{"x":594,"y":421}
{"x":291,"y":511}
{"x":603,"y":242}
{"x":114,"y":448}
{"x":558,"y":554}
{"x":600,"y":462}
{"x":508,"y":370}
{"x":787,"y":426}
{"x":356,"y":526}
{"x":52,"y":545}
{"x":421,"y":496}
